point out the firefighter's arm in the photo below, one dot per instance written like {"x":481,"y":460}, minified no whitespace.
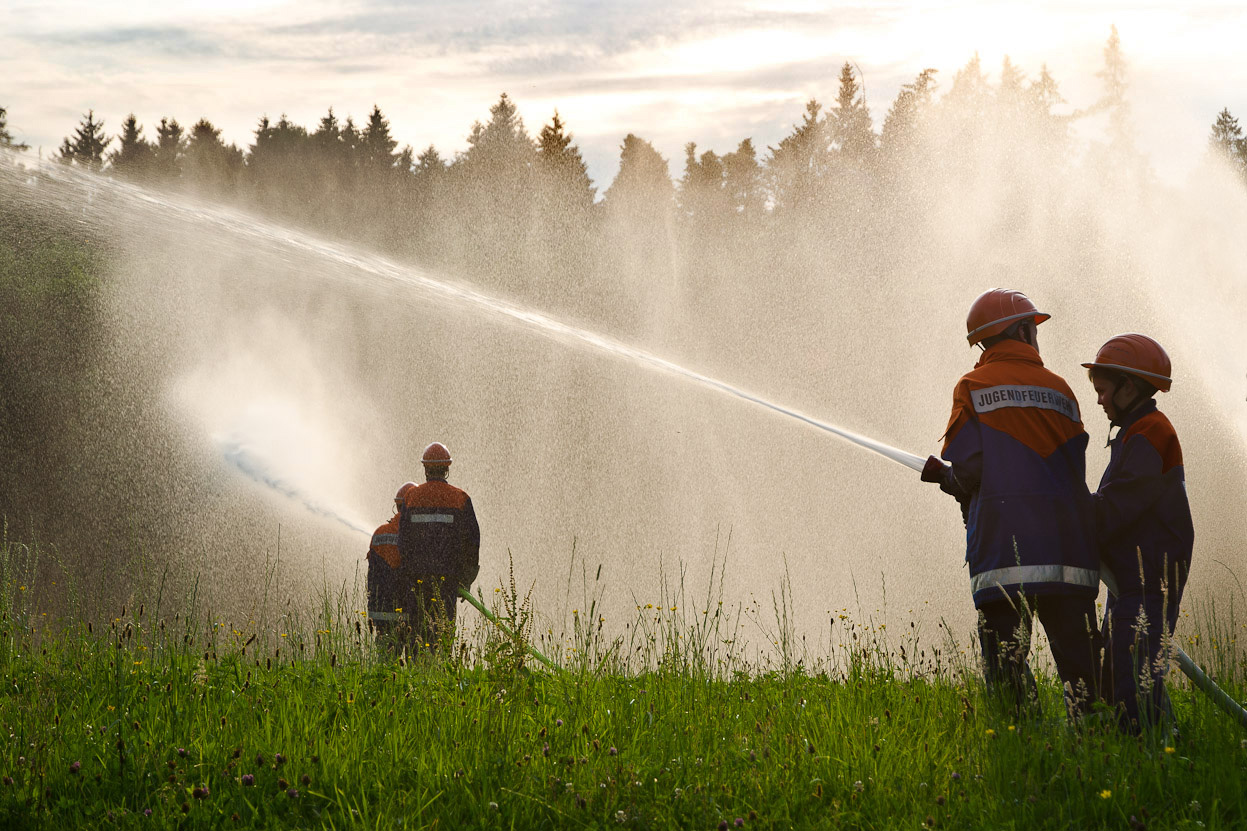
{"x":1136,"y":485}
{"x":471,"y":562}
{"x":963,"y":450}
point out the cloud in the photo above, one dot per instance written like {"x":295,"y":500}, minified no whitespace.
{"x":161,"y":40}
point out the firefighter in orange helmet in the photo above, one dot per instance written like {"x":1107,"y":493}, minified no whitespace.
{"x":1143,"y":526}
{"x":439,"y":544}
{"x":1016,"y":447}
{"x":384,"y":609}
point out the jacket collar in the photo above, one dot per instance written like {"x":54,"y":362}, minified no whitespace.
{"x":1010,"y":350}
{"x":1148,"y":406}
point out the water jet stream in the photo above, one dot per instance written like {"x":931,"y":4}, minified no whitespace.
{"x":277,"y":236}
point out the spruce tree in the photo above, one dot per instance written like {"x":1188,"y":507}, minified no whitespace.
{"x":133,"y":153}
{"x":210,"y":164}
{"x":86,"y":148}
{"x":7,"y":142}
{"x":1227,"y":143}
{"x":376,"y":146}
{"x":1113,"y":101}
{"x":563,"y":170}
{"x":170,"y":148}
{"x":902,"y":126}
{"x":800,"y":167}
{"x":643,"y":187}
{"x":742,"y":183}
{"x":851,"y":130}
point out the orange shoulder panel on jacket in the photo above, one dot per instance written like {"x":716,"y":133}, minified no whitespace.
{"x":436,"y":494}
{"x":1027,"y":401}
{"x":1159,"y":432}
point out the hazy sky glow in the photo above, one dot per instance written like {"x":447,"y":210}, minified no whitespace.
{"x":671,"y":72}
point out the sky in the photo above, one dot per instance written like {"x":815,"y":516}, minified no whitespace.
{"x":669,"y":71}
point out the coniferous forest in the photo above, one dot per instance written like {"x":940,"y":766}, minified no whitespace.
{"x":518,"y":212}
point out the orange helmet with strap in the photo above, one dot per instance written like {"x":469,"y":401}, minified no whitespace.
{"x":996,"y":310}
{"x":436,"y":455}
{"x":401,"y":496}
{"x":1136,"y":355}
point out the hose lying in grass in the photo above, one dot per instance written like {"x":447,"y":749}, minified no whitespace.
{"x":1189,"y":668}
{"x":492,"y":618}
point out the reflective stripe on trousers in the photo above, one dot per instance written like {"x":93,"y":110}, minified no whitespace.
{"x":1019,"y":575}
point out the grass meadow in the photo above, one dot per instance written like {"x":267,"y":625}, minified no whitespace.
{"x":161,"y":715}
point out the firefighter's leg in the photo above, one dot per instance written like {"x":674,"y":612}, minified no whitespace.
{"x":1004,"y":637}
{"x":1070,"y":623}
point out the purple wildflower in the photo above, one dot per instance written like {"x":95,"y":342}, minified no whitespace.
{"x":956,"y":776}
{"x":147,"y":812}
{"x":182,"y":752}
{"x":248,"y":780}
{"x":558,"y":722}
{"x":75,"y":767}
{"x":292,"y":793}
{"x":739,"y":822}
{"x":613,"y":752}
{"x":279,"y":760}
{"x":200,"y":793}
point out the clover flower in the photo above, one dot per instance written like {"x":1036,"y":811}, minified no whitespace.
{"x":75,"y":766}
{"x":248,"y":780}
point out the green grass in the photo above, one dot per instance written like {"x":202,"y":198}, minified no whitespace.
{"x":278,"y":722}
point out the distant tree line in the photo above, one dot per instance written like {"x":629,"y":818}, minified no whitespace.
{"x":521,"y":212}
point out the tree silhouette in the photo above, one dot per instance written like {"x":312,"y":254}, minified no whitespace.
{"x":642,"y":188}
{"x":742,"y":184}
{"x":702,"y":196}
{"x":1226,"y":142}
{"x":170,"y":148}
{"x":903,"y":124}
{"x":134,"y":153}
{"x":801,"y":165}
{"x":851,"y":130}
{"x":562,"y":170}
{"x":7,"y":141}
{"x":376,"y":146}
{"x":86,"y":147}
{"x":1113,"y":100}
{"x":210,"y":164}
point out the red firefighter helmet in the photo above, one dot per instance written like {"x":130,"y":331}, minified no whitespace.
{"x":436,"y":455}
{"x":1137,"y":355}
{"x":996,"y":310}
{"x":401,"y":496}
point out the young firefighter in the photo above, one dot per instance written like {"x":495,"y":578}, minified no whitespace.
{"x":439,"y":541}
{"x":384,"y":603}
{"x":1017,"y":449}
{"x":1143,"y":526}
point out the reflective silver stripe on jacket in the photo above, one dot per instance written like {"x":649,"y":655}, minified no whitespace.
{"x":387,"y":615}
{"x":990,"y":399}
{"x":432,"y":518}
{"x":384,"y":539}
{"x":1020,"y":575}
